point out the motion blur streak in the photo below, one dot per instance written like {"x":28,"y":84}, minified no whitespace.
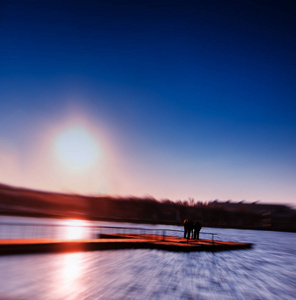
{"x":152,"y":274}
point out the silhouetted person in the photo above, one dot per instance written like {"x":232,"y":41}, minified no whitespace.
{"x":188,"y":228}
{"x":196,"y":228}
{"x":185,"y":228}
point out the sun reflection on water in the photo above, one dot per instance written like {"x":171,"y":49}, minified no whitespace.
{"x":71,"y":267}
{"x":75,"y":230}
{"x":68,"y":281}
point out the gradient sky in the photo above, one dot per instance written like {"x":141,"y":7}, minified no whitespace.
{"x":183,"y":98}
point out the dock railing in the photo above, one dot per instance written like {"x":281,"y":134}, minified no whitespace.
{"x":75,"y":232}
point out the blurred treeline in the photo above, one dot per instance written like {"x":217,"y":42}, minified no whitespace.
{"x":25,"y":202}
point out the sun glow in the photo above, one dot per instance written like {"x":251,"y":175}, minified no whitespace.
{"x":76,"y":149}
{"x":70,"y":154}
{"x":75,"y":230}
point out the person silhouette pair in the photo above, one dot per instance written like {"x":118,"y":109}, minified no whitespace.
{"x":191,"y":229}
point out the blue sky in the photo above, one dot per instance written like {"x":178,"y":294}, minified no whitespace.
{"x":195,"y":98}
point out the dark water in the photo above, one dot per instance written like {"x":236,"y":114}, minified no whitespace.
{"x":265,"y":272}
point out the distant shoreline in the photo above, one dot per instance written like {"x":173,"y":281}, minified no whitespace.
{"x":133,"y":221}
{"x":249,"y":216}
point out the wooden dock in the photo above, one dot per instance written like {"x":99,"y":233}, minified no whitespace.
{"x":113,"y":242}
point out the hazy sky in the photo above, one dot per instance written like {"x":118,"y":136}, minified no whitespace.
{"x":172,"y":99}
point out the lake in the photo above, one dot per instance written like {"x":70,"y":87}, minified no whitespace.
{"x":265,"y":272}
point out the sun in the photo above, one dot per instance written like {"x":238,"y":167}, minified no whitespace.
{"x":76,"y":148}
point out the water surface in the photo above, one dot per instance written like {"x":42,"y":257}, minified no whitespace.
{"x":265,"y":272}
